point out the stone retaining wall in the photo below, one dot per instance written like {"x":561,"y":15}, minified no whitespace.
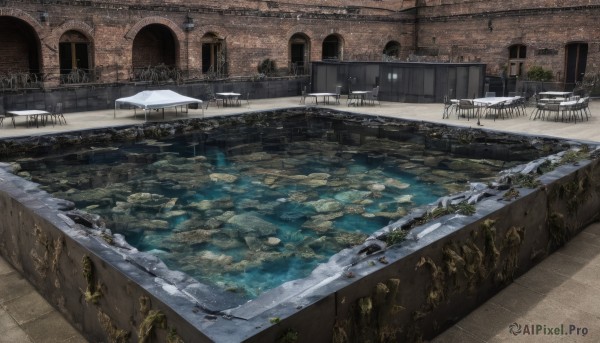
{"x":407,"y":292}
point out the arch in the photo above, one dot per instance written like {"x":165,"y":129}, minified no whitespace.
{"x":299,"y":53}
{"x":332,"y":48}
{"x":75,"y":25}
{"x":178,"y":32}
{"x":21,"y":40}
{"x":214,"y":54}
{"x":155,"y":44}
{"x":391,"y":51}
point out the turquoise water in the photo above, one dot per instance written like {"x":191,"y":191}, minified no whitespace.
{"x":247,"y":209}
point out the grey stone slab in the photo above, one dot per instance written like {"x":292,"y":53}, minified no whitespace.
{"x":577,"y":295}
{"x":5,"y":268}
{"x":587,"y":238}
{"x":13,"y":286}
{"x":456,"y":334}
{"x":586,"y":273}
{"x":6,"y":321}
{"x":517,"y":299}
{"x":14,"y":335}
{"x":76,"y":339}
{"x":28,"y":307}
{"x":547,"y":312}
{"x":582,"y":320}
{"x":541,"y":281}
{"x":50,"y":328}
{"x":487,"y":321}
{"x":593,"y":229}
{"x":580,"y":249}
{"x":563,"y":264}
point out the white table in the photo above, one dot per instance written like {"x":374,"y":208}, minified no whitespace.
{"x":553,"y":97}
{"x":355,"y":96}
{"x":553,"y":94}
{"x":229,"y":97}
{"x":486,"y":103}
{"x":325,"y":96}
{"x":31,"y":116}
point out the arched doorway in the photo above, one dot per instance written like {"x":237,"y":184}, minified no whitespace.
{"x":20,"y":52}
{"x":332,"y":48}
{"x":214,"y":55}
{"x":74,"y":50}
{"x":154,"y":45}
{"x":299,"y":52}
{"x":391,"y":51}
{"x":575,"y":63}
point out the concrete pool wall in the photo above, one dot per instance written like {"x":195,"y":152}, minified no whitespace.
{"x":413,"y":290}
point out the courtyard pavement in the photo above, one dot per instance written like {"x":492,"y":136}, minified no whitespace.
{"x":564,"y":289}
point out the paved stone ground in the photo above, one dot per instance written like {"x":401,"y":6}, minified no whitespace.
{"x":564,"y":289}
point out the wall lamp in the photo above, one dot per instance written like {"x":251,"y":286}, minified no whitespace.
{"x":188,"y":25}
{"x":43,"y":16}
{"x":490,"y":27}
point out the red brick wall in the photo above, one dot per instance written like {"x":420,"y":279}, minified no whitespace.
{"x":445,"y":30}
{"x":460,"y":30}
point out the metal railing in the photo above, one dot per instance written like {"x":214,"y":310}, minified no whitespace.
{"x":111,"y":74}
{"x":20,"y":80}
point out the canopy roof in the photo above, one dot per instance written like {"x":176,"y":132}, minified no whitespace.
{"x":157,"y":99}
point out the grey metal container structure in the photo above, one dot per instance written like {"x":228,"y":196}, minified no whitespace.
{"x":412,"y":82}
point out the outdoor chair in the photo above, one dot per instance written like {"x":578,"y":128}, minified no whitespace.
{"x":466,"y":108}
{"x":552,"y":109}
{"x":584,"y":107}
{"x":374,"y":96}
{"x":303,"y":95}
{"x":240,"y":99}
{"x":449,"y":107}
{"x":499,"y":110}
{"x":213,"y":99}
{"x":338,"y":94}
{"x":56,"y":115}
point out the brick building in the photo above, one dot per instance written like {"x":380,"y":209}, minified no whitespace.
{"x":110,"y":41}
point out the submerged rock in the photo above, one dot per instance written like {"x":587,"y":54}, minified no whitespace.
{"x":326,"y":205}
{"x":396,"y":184}
{"x":273,"y":241}
{"x":222,"y":177}
{"x":250,"y":223}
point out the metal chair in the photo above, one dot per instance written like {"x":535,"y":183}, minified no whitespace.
{"x":56,"y":115}
{"x":374,"y":96}
{"x":466,"y":108}
{"x":213,"y":99}
{"x":303,"y":95}
{"x":449,"y":107}
{"x":338,"y":94}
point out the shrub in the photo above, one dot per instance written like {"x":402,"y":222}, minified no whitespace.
{"x":537,"y":73}
{"x":267,"y":67}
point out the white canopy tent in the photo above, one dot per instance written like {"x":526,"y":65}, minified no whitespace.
{"x":157,"y":99}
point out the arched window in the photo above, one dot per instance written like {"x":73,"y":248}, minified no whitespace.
{"x":214,"y":56}
{"x":299,"y":54}
{"x":516,"y":59}
{"x":74,"y":53}
{"x":332,"y":49}
{"x":391,"y":51}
